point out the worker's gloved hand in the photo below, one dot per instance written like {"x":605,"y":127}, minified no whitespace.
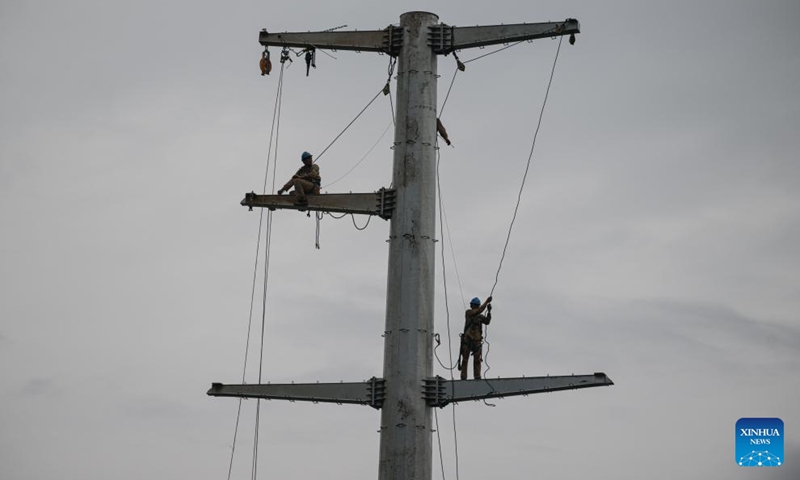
{"x":280,"y":192}
{"x":489,"y":307}
{"x":489,"y":300}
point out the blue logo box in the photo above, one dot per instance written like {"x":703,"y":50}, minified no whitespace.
{"x":759,"y":442}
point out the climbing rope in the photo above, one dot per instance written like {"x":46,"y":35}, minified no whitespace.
{"x":527,"y":168}
{"x":273,"y":136}
{"x":267,"y":250}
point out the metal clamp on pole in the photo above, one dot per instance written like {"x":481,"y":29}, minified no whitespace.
{"x":433,"y":391}
{"x":377,"y":392}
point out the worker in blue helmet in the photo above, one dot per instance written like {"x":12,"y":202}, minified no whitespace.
{"x":472,"y":338}
{"x":306,"y":181}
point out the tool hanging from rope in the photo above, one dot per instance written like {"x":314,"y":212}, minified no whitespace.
{"x":311,"y":59}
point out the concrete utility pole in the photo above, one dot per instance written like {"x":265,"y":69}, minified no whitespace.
{"x":408,"y":390}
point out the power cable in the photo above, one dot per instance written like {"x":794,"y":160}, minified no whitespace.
{"x":527,"y":167}
{"x":519,"y":199}
{"x":353,"y":217}
{"x":447,"y":96}
{"x":383,"y":90}
{"x":362,"y":158}
{"x":494,"y":51}
{"x":348,"y":125}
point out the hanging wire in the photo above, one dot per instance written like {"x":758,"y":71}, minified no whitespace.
{"x":447,"y":309}
{"x":447,"y":96}
{"x":275,"y":110}
{"x":494,"y":51}
{"x":318,"y":216}
{"x":516,"y":207}
{"x":391,"y":105}
{"x":369,"y":218}
{"x":527,"y":168}
{"x":452,"y":249}
{"x":392,"y":62}
{"x":348,"y":125}
{"x":264,"y":304}
{"x":439,"y":441}
{"x":553,"y":31}
{"x":267,"y":250}
{"x":364,"y":157}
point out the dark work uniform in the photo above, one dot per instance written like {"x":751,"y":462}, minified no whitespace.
{"x":305,"y":181}
{"x":472,"y":340}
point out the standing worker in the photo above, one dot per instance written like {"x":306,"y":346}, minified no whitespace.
{"x":305,"y":181}
{"x":472,"y":338}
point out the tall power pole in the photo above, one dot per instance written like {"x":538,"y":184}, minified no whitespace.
{"x":405,"y":450}
{"x":407,"y":391}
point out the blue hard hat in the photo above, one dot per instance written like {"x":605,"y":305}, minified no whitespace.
{"x":304,"y":156}
{"x":475,"y":301}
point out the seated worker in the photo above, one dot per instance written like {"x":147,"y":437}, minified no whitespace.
{"x":305,"y":181}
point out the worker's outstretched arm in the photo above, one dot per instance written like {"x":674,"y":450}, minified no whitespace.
{"x":477,"y":310}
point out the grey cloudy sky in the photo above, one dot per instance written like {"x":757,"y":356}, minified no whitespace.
{"x":658,"y":238}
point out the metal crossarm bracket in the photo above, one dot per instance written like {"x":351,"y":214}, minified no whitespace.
{"x":388,"y":40}
{"x":372,"y":392}
{"x":377,"y":392}
{"x":380,"y":203}
{"x":467,"y":37}
{"x":434,"y":391}
{"x":392,"y":40}
{"x":440,"y":38}
{"x":439,"y":392}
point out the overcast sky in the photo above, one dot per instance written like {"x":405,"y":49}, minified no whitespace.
{"x":658,"y":238}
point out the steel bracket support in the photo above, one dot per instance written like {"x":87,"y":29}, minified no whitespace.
{"x":439,"y":392}
{"x":372,"y":392}
{"x":380,"y":203}
{"x":445,"y":39}
{"x":389,"y":40}
{"x":440,"y":38}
